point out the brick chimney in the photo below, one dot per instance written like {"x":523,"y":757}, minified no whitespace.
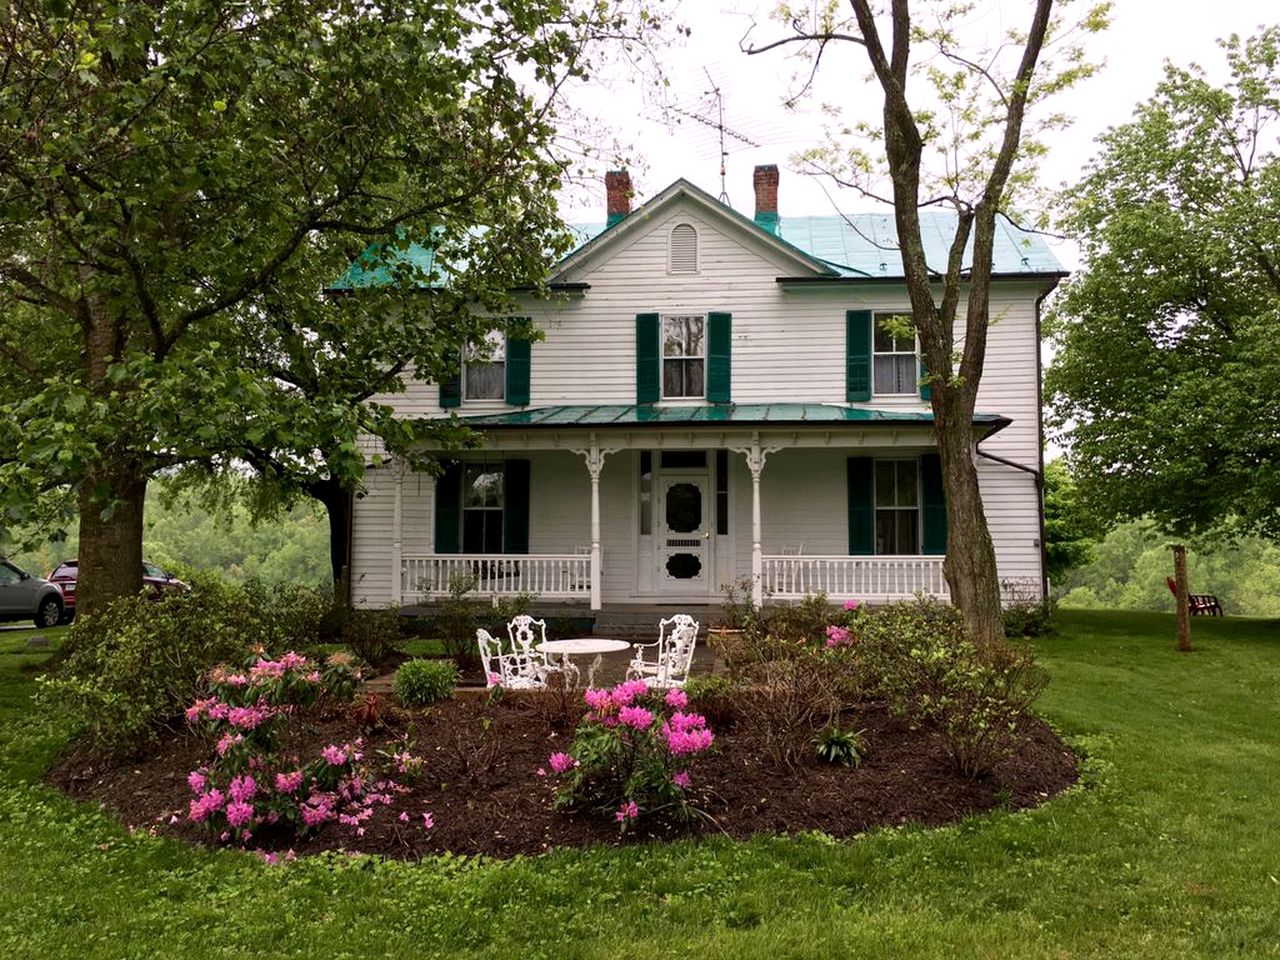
{"x":766,"y":182}
{"x":617,"y":189}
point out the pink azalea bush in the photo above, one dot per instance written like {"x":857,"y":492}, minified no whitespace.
{"x":630,"y":754}
{"x":250,"y":782}
{"x":841,"y":633}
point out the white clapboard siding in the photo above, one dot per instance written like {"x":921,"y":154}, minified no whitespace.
{"x":788,"y":346}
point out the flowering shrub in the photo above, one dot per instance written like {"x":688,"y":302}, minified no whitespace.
{"x":251,"y":782}
{"x":630,"y":754}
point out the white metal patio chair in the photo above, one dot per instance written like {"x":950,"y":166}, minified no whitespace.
{"x":505,"y":669}
{"x":672,"y":655}
{"x":524,"y":647}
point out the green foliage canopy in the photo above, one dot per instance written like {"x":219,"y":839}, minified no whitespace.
{"x":180,"y":181}
{"x":1166,"y":384}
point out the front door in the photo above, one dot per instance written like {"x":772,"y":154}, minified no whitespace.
{"x":683,"y":541}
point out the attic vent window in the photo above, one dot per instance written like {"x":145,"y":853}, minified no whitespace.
{"x":683,"y":254}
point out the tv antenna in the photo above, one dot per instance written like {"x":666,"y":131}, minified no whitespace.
{"x":718,"y":125}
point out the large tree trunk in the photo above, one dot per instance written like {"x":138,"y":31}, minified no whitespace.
{"x":111,"y":507}
{"x":339,"y":505}
{"x":970,"y":565}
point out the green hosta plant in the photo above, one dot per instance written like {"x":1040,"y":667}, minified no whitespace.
{"x":843,"y":747}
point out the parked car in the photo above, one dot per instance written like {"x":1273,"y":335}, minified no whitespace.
{"x":23,"y":596}
{"x":153,"y":578}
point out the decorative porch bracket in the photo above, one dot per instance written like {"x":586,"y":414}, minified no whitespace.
{"x":594,"y":457}
{"x":756,"y":455}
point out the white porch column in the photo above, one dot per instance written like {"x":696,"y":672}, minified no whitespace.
{"x":756,"y":456}
{"x":594,"y":458}
{"x":397,"y":524}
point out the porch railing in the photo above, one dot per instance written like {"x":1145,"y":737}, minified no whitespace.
{"x":853,"y":578}
{"x":549,"y":576}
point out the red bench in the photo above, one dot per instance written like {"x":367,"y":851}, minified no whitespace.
{"x":1200,"y":603}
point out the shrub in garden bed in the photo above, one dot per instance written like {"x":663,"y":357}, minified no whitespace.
{"x":134,"y":667}
{"x":919,"y":657}
{"x":422,"y":682}
{"x":630,"y":754}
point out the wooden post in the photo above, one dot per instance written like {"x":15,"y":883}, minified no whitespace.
{"x":1184,"y":609}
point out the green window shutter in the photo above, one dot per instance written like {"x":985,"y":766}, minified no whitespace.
{"x":648,"y":362}
{"x":857,"y":356}
{"x":515,"y":506}
{"x":862,"y":506}
{"x":519,"y":349}
{"x":934,"y":538}
{"x":449,"y":508}
{"x":926,"y":392}
{"x":719,"y":347}
{"x":451,"y":387}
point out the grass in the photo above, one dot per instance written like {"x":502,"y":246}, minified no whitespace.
{"x":1172,"y":850}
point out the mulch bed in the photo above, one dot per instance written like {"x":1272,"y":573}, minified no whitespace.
{"x":483,"y":791}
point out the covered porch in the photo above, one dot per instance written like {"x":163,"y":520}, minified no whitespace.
{"x":607,"y":506}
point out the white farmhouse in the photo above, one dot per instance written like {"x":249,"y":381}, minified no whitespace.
{"x":716,"y":398}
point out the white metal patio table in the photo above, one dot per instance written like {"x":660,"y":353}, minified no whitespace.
{"x":582,"y":646}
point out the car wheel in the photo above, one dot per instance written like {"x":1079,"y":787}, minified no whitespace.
{"x":48,"y":613}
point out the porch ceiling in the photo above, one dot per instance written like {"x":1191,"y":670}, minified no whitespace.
{"x":737,"y":414}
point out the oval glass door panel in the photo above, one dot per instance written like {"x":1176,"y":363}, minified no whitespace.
{"x":684,"y":508}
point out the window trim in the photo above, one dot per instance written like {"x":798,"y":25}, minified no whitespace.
{"x":663,"y":358}
{"x":492,"y":336}
{"x":876,"y":508}
{"x":876,"y":317}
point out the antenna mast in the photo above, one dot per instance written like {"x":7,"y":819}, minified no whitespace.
{"x":718,"y":125}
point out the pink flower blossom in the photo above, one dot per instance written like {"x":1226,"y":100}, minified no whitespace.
{"x":204,"y":805}
{"x":249,"y":718}
{"x":682,"y":779}
{"x":560,"y":762}
{"x":676,"y":698}
{"x":837,"y":636}
{"x":270,"y":859}
{"x":627,"y":691}
{"x":597,"y":700}
{"x":288,"y":782}
{"x":493,"y":680}
{"x":428,"y":821}
{"x":851,"y":604}
{"x":686,"y":733}
{"x":242,"y":789}
{"x":196,"y":781}
{"x":228,"y":741}
{"x":637,"y":717}
{"x":628,"y":811}
{"x":239,"y":813}
{"x":404,"y":818}
{"x":334,"y":756}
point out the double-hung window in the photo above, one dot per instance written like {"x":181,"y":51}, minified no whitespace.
{"x":897,"y":507}
{"x":894,"y":365}
{"x":482,"y":505}
{"x":684,"y":356}
{"x":484,"y":369}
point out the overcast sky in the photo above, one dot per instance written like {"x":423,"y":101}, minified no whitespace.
{"x":1143,"y":34}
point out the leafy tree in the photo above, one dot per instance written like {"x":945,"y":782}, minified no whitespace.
{"x":179,"y":181}
{"x":1166,"y":383}
{"x":969,"y":115}
{"x":1069,"y":531}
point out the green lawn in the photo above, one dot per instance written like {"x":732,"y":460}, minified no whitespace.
{"x":1173,"y":851}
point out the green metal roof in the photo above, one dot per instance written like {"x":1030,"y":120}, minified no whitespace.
{"x":739,"y":414}
{"x":861,"y":246}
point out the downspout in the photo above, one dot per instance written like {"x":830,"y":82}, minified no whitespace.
{"x":1044,"y":551}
